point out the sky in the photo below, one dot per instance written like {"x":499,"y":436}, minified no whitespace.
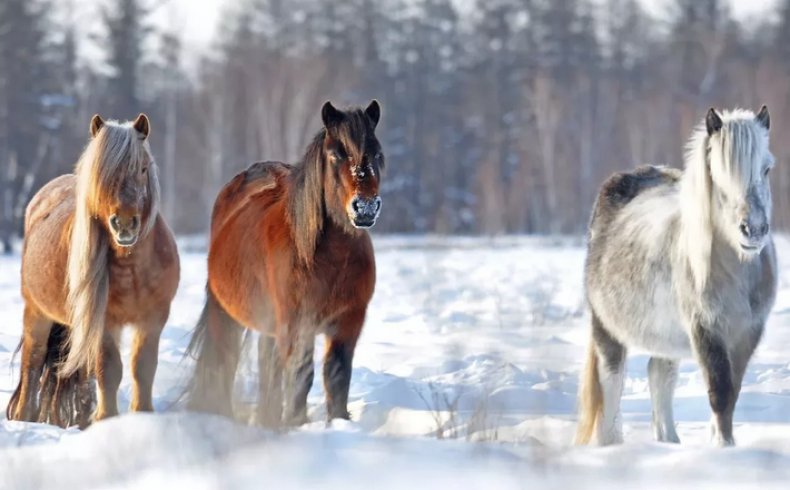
{"x":198,"y":17}
{"x":742,"y":9}
{"x":197,"y":20}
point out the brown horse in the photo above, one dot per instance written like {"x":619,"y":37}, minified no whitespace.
{"x":289,"y":257}
{"x":97,"y":256}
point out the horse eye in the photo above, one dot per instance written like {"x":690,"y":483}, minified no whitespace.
{"x":337,"y":156}
{"x":766,"y":171}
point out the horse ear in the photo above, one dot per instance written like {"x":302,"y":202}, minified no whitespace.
{"x":713,"y":122}
{"x":373,"y":111}
{"x":96,"y":124}
{"x":763,"y":117}
{"x":142,"y":125}
{"x":330,"y":116}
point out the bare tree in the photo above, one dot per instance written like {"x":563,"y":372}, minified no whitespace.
{"x":501,"y":116}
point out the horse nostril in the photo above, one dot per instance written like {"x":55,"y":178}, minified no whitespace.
{"x":114,"y":222}
{"x":745,"y":231}
{"x":356,"y":205}
{"x":765,"y":229}
{"x":363,"y":206}
{"x":135,"y":222}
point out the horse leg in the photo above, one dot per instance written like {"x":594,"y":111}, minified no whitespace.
{"x":740,"y":354}
{"x":270,"y":383}
{"x":611,"y":369}
{"x":300,"y":373}
{"x":109,"y":371}
{"x":145,"y":355}
{"x":662,"y":375}
{"x":718,"y":373}
{"x":338,"y":359}
{"x":34,"y":352}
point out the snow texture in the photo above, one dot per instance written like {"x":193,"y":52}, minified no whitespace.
{"x":465,"y":377}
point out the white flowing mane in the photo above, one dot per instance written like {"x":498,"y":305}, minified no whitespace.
{"x":731,"y":157}
{"x":115,"y":153}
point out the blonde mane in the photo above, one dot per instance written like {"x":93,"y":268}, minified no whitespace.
{"x":730,"y":158}
{"x":115,"y":153}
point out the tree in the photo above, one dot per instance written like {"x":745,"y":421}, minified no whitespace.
{"x":24,"y":76}
{"x":171,"y":54}
{"x":127,"y":32}
{"x":499,"y":115}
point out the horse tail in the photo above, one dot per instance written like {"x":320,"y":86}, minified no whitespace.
{"x":63,"y":400}
{"x":51,"y":386}
{"x":14,"y":401}
{"x":590,"y":397}
{"x":216,"y":346}
{"x":66,"y":399}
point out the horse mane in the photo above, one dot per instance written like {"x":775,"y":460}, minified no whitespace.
{"x":727,"y":158}
{"x":114,"y":154}
{"x":306,"y":207}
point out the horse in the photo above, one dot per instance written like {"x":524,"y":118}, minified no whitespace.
{"x":681,"y":264}
{"x":97,"y":256}
{"x":290,"y":257}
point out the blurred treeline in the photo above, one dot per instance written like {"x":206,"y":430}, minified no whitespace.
{"x":499,"y":115}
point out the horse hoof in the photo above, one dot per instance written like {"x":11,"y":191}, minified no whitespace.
{"x":669,"y":437}
{"x":297,"y":420}
{"x":99,"y":416}
{"x":344,"y":415}
{"x":270,"y":421}
{"x":724,"y":441}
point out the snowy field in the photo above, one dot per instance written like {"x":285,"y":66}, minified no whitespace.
{"x":465,"y":377}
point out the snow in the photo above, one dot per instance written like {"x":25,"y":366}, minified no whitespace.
{"x":465,"y":376}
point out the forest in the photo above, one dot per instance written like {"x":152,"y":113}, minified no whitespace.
{"x":499,"y":116}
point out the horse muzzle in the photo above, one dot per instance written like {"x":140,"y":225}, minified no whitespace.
{"x":125,"y":230}
{"x":753,"y":237}
{"x":364,"y":211}
{"x":752,"y":248}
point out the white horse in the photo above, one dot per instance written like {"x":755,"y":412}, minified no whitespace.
{"x":681,"y":264}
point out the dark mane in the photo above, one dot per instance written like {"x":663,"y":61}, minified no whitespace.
{"x":356,"y":133}
{"x":306,"y":210}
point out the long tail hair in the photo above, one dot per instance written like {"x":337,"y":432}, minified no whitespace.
{"x":216,"y":346}
{"x":590,"y":397}
{"x":116,"y":150}
{"x":14,"y":400}
{"x":64,"y":400}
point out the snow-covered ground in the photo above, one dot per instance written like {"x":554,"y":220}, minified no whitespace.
{"x":465,"y":377}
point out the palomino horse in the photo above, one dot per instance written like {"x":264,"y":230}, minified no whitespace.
{"x":289,"y":257}
{"x":97,"y":256}
{"x":681,"y":264}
